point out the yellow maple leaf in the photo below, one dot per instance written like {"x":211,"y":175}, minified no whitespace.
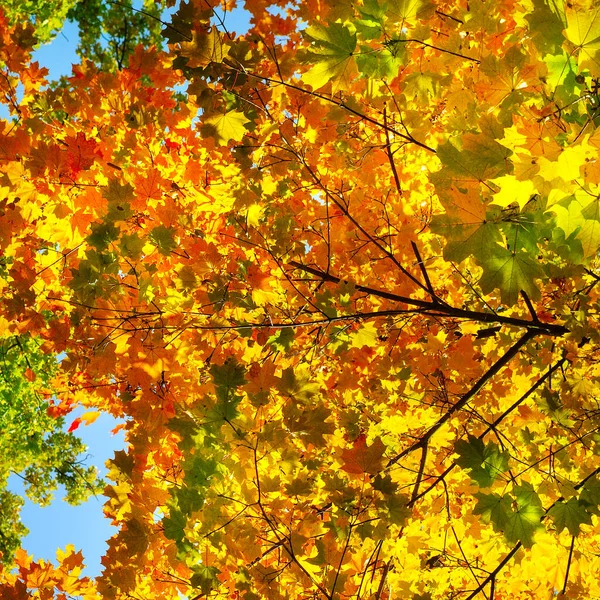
{"x":366,"y":336}
{"x":229,"y":126}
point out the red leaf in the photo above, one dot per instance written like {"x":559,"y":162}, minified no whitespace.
{"x":74,"y":425}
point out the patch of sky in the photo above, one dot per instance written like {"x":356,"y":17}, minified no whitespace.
{"x":84,"y":526}
{"x":282,"y":11}
{"x":236,"y":20}
{"x":59,"y":56}
{"x":318,"y":196}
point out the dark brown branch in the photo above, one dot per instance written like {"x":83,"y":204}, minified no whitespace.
{"x":339,"y":569}
{"x":415,"y":492}
{"x":436,"y":309}
{"x":465,"y":558}
{"x":443,"y":14}
{"x":386,"y":568}
{"x":529,"y":306}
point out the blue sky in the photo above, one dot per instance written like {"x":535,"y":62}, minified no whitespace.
{"x":84,"y":526}
{"x":60,"y":524}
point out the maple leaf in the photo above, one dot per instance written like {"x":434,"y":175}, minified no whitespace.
{"x":583,"y":31}
{"x":485,"y":461}
{"x":571,"y":515}
{"x":81,"y":153}
{"x":525,"y":520}
{"x":224,"y":127}
{"x":332,"y":49}
{"x":363,"y":458}
{"x":511,"y":272}
{"x":546,"y":23}
{"x":382,"y":234}
{"x":311,"y":422}
{"x":517,"y":517}
{"x":204,"y":48}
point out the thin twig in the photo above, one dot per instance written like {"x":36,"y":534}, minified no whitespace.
{"x":564,"y":590}
{"x":424,"y":271}
{"x":388,"y":149}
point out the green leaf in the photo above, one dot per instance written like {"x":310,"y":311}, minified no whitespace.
{"x":584,"y":32}
{"x":590,"y":495}
{"x":403,"y":11}
{"x":373,"y":10}
{"x":510,"y":272}
{"x":103,"y":234}
{"x":164,"y":238}
{"x":525,"y":520}
{"x":559,"y":68}
{"x":308,"y":421}
{"x":464,"y":239}
{"x":119,"y":197}
{"x":485,"y":462}
{"x":188,"y":500}
{"x":580,"y":215}
{"x":571,"y":514}
{"x":282,"y":339}
{"x":230,"y":374}
{"x":205,"y":578}
{"x":479,"y":159}
{"x":174,"y":525}
{"x":493,"y":509}
{"x":199,"y":470}
{"x":295,"y":382}
{"x":381,"y":64}
{"x":131,"y":245}
{"x":331,"y":53}
{"x":226,"y":406}
{"x":517,"y":517}
{"x":397,"y":508}
{"x":546,"y":24}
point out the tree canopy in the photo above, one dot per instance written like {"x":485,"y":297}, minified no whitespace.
{"x":339,"y":275}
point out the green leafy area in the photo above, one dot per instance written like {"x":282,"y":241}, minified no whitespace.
{"x":517,"y":515}
{"x":570,"y":515}
{"x":331,"y":53}
{"x":32,"y":442}
{"x":546,"y":24}
{"x":164,"y":238}
{"x":485,"y":461}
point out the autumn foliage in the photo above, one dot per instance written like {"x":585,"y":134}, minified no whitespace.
{"x":339,"y":275}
